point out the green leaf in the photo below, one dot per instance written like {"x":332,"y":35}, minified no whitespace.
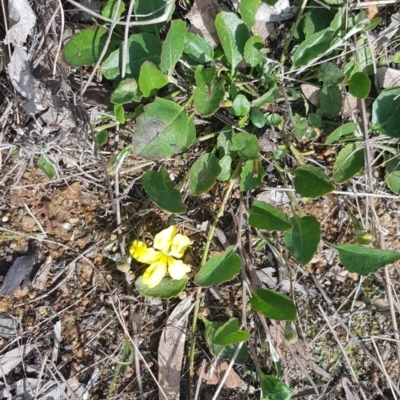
{"x":364,"y":260}
{"x":274,"y":119}
{"x":268,"y":97}
{"x":330,"y":100}
{"x":101,"y":137}
{"x":330,"y":74}
{"x":85,"y":47}
{"x":265,"y":216}
{"x":246,"y":145}
{"x":151,"y":78}
{"x":312,"y":47}
{"x":197,"y":48}
{"x":396,"y":58}
{"x":302,"y":241}
{"x":248,"y":178}
{"x":252,"y":53}
{"x":314,"y":119}
{"x":273,"y":305}
{"x":219,"y":269}
{"x":257,"y":117}
{"x":338,"y":21}
{"x":385,"y":112}
{"x":222,"y":351}
{"x":208,"y":95}
{"x":301,"y":129}
{"x":365,"y":59}
{"x":316,"y":19}
{"x":119,"y":113}
{"x":273,"y":388}
{"x":248,"y":10}
{"x":141,"y":47}
{"x":172,"y":49}
{"x":126,"y":92}
{"x":349,"y":162}
{"x":203,"y":173}
{"x":162,"y":130}
{"x":392,"y":174}
{"x":114,"y":163}
{"x":166,"y":289}
{"x":240,"y":106}
{"x":233,"y":35}
{"x":225,"y":163}
{"x":145,"y":10}
{"x":161,"y":189}
{"x":224,"y":142}
{"x":46,"y":166}
{"x":229,"y":333}
{"x":343,"y":130}
{"x":359,"y":85}
{"x":109,"y":7}
{"x":311,"y":182}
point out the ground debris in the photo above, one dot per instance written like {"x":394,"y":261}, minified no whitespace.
{"x":18,"y":272}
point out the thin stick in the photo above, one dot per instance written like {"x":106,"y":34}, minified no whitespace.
{"x":342,"y":349}
{"x":215,"y":397}
{"x":384,"y":369}
{"x":340,"y":192}
{"x":366,"y":4}
{"x":162,"y":18}
{"x":105,"y":48}
{"x":128,"y":336}
{"x":125,"y":43}
{"x":203,"y":367}
{"x":36,"y":220}
{"x":60,"y":39}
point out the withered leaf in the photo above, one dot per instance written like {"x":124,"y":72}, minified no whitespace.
{"x":21,"y":267}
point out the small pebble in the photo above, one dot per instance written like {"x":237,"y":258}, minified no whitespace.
{"x":66,"y":226}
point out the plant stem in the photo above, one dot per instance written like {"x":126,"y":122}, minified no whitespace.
{"x":291,"y":195}
{"x":210,"y":236}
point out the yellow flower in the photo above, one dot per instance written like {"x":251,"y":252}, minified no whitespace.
{"x":169,"y":246}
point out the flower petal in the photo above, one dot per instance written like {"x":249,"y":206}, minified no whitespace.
{"x":177,"y":268}
{"x":140,"y":252}
{"x":178,"y":246}
{"x":154,"y":274}
{"x":163,"y":239}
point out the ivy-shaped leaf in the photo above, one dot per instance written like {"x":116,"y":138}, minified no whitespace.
{"x":273,"y":305}
{"x":85,"y":47}
{"x":162,"y":130}
{"x":203,"y":173}
{"x":364,"y":260}
{"x":312,"y":47}
{"x":349,"y":162}
{"x":311,"y":182}
{"x":161,"y":190}
{"x":385,"y":112}
{"x":197,"y":48}
{"x":265,"y":216}
{"x":151,"y":78}
{"x":302,"y":241}
{"x":219,"y":269}
{"x":141,"y":47}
